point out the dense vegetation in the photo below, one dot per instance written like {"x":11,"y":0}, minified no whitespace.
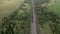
{"x":18,"y":22}
{"x":46,"y":16}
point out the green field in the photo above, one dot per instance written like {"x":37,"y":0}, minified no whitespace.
{"x":56,"y":7}
{"x":7,"y":7}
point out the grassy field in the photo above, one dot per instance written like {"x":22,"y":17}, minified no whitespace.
{"x":8,"y":7}
{"x":56,"y":7}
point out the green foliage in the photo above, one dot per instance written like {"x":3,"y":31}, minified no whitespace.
{"x":41,"y":1}
{"x":17,"y":23}
{"x":44,"y":16}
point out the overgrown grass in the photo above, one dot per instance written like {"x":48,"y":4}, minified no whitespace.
{"x":7,"y":7}
{"x":22,"y":17}
{"x":55,"y":7}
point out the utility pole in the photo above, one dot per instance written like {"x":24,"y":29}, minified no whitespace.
{"x":33,"y":19}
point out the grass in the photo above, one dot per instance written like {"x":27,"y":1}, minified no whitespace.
{"x":55,"y":7}
{"x":8,"y":7}
{"x":21,"y":12}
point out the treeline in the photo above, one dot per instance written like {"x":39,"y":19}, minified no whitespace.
{"x":44,"y":16}
{"x":17,"y":23}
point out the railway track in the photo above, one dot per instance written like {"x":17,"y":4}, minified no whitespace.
{"x":33,"y":19}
